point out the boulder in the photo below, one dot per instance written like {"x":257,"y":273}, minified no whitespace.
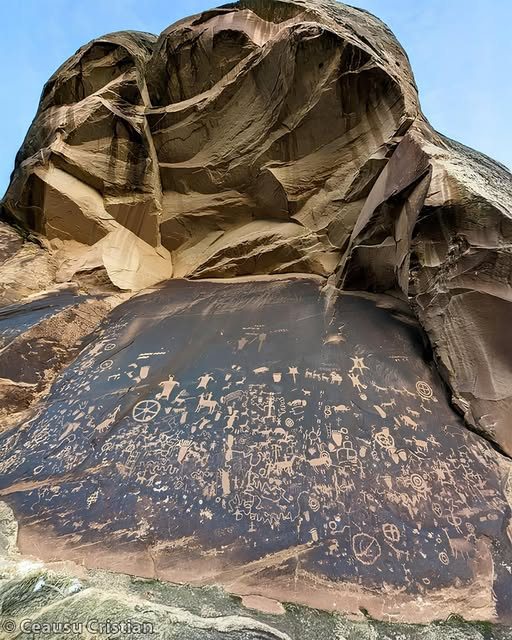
{"x":253,"y":336}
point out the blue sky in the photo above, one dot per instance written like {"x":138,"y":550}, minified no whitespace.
{"x":460,"y":50}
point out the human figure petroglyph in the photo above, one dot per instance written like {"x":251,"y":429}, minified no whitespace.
{"x":356,"y":382}
{"x":204,"y":380}
{"x":432,"y":439}
{"x":168,"y":387}
{"x":293,"y":372}
{"x":358,"y":365}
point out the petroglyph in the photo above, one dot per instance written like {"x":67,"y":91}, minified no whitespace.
{"x":262,"y":448}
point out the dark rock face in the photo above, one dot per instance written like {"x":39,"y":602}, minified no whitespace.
{"x":248,"y":434}
{"x":337,"y":437}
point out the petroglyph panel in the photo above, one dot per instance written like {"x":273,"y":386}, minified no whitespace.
{"x":249,"y":434}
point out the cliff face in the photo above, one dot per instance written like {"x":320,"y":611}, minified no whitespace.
{"x":312,"y":402}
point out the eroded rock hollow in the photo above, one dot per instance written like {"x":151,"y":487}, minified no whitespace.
{"x":254,"y":322}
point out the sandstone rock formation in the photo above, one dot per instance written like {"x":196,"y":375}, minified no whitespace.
{"x":314,"y":405}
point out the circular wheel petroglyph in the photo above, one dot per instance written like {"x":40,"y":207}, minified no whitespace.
{"x":424,"y":389}
{"x":366,"y":548}
{"x":385,"y":439}
{"x":391,"y":532}
{"x":145,"y":410}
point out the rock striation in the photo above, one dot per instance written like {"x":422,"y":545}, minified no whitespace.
{"x":254,"y":321}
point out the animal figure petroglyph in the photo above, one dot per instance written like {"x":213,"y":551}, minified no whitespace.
{"x":324,"y":460}
{"x":261,"y":370}
{"x":284,"y":465}
{"x":103,"y":426}
{"x":420,"y":444}
{"x":336,"y":378}
{"x":231,"y":397}
{"x":409,"y":422}
{"x":206,"y":402}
